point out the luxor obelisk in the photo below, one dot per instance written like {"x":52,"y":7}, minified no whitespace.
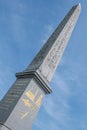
{"x":20,"y":105}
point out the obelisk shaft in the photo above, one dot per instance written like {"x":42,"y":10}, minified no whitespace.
{"x":47,"y":59}
{"x":21,"y":104}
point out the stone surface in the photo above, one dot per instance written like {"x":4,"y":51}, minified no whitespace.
{"x":22,"y":102}
{"x":47,"y":59}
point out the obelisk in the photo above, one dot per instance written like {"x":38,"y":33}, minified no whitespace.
{"x":20,"y":105}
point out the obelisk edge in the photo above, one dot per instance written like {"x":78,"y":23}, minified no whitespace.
{"x":34,"y":74}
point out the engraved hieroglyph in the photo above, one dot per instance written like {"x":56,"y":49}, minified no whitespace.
{"x":19,"y":107}
{"x":47,"y":59}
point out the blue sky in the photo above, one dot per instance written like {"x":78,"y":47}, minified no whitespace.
{"x":24,"y":27}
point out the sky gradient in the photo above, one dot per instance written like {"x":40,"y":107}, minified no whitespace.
{"x":25,"y":25}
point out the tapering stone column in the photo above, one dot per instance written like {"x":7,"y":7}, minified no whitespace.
{"x":21,"y":104}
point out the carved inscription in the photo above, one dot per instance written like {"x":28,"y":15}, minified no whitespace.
{"x":51,"y":61}
{"x":13,"y":94}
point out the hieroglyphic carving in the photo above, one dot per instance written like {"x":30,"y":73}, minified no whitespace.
{"x":54,"y":55}
{"x":49,"y":56}
{"x":13,"y":94}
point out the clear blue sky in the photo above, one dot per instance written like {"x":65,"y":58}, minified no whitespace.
{"x":24,"y":26}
